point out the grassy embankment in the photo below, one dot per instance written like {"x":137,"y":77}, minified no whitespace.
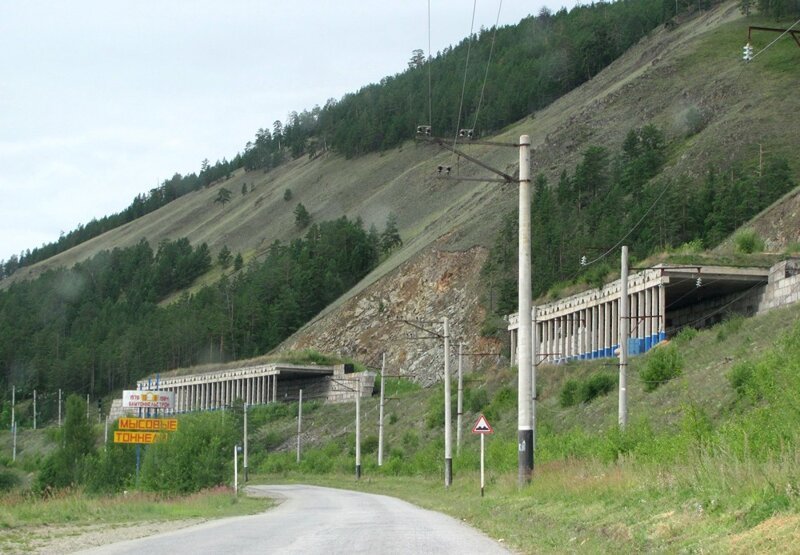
{"x":709,"y":461}
{"x":28,"y":522}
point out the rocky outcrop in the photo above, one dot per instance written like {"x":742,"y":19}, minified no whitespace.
{"x":402,"y":315}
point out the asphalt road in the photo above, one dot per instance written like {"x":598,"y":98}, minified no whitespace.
{"x":311,"y":519}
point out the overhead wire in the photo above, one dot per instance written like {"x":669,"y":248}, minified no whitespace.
{"x":430,"y":88}
{"x":488,"y":63}
{"x":464,"y":83}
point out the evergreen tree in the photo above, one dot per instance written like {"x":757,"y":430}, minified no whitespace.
{"x":302,"y":218}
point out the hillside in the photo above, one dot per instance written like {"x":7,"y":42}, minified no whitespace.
{"x":691,"y":68}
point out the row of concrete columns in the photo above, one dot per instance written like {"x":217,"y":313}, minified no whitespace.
{"x":594,"y":331}
{"x":223,"y":392}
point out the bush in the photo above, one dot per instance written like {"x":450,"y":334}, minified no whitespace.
{"x":8,"y":480}
{"x":747,"y":241}
{"x":569,"y":393}
{"x":505,"y":399}
{"x":740,"y":377}
{"x":584,"y":391}
{"x":196,"y":456}
{"x":685,"y":335}
{"x":597,"y":385}
{"x":475,"y":399}
{"x":730,"y":325}
{"x":663,"y":364}
{"x":369,"y":445}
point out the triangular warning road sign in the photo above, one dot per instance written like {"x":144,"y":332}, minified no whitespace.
{"x":482,"y":426}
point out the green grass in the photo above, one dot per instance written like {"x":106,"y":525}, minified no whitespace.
{"x":26,"y":519}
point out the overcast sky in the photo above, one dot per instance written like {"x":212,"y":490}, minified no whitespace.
{"x":101,"y":101}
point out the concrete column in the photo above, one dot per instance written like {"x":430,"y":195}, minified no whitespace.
{"x":634,"y":310}
{"x":648,"y":322}
{"x":275,"y":388}
{"x":595,"y":331}
{"x":614,"y":325}
{"x":606,"y":344}
{"x":642,"y":307}
{"x":662,"y":313}
{"x":562,"y":338}
{"x":575,"y":330}
{"x":548,"y":335}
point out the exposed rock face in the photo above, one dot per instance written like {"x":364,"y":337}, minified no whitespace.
{"x":429,"y":287}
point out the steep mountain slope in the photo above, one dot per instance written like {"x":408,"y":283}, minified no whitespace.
{"x":691,"y":70}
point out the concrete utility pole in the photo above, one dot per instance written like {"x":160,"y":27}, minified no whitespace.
{"x":13,"y":405}
{"x":460,"y":403}
{"x":448,"y":417}
{"x":34,"y":409}
{"x":87,"y":408}
{"x":624,"y":322}
{"x":245,"y":443}
{"x":380,"y":411}
{"x":525,"y":432}
{"x":299,"y":423}
{"x":358,"y":432}
{"x":534,"y":365}
{"x":59,"y":407}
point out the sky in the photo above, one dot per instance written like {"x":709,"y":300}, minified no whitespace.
{"x":101,"y":101}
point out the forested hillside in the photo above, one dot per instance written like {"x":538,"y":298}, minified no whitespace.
{"x":532,"y":63}
{"x":650,"y":135}
{"x":615,"y":194}
{"x":98,"y":326}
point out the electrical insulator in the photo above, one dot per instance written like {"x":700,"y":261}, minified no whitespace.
{"x":583,"y":261}
{"x":699,"y":282}
{"x":747,"y":52}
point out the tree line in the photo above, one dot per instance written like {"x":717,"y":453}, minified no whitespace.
{"x":608,"y":195}
{"x":103,"y":323}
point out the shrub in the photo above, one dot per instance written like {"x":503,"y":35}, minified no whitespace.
{"x":195,"y":457}
{"x":747,"y":241}
{"x":369,"y":445}
{"x":685,"y":335}
{"x":729,"y":326}
{"x":8,"y":480}
{"x":740,"y":377}
{"x":504,"y":400}
{"x":597,"y":385}
{"x":569,"y":393}
{"x":476,"y":399}
{"x":584,"y":391}
{"x":663,"y":364}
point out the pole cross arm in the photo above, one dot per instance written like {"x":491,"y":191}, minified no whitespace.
{"x":794,"y":32}
{"x":506,"y":178}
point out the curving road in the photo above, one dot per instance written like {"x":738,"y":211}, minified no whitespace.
{"x":311,"y":519}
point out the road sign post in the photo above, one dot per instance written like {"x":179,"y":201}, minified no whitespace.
{"x":482,"y":428}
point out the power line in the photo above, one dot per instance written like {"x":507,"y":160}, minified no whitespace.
{"x":488,"y":63}
{"x":464,"y":83}
{"x":430,"y":94}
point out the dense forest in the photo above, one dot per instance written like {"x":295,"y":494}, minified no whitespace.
{"x":102,"y":324}
{"x":615,"y":194}
{"x":532,"y":63}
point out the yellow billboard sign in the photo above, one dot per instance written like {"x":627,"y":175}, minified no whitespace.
{"x":122,"y":436}
{"x":148,"y":424}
